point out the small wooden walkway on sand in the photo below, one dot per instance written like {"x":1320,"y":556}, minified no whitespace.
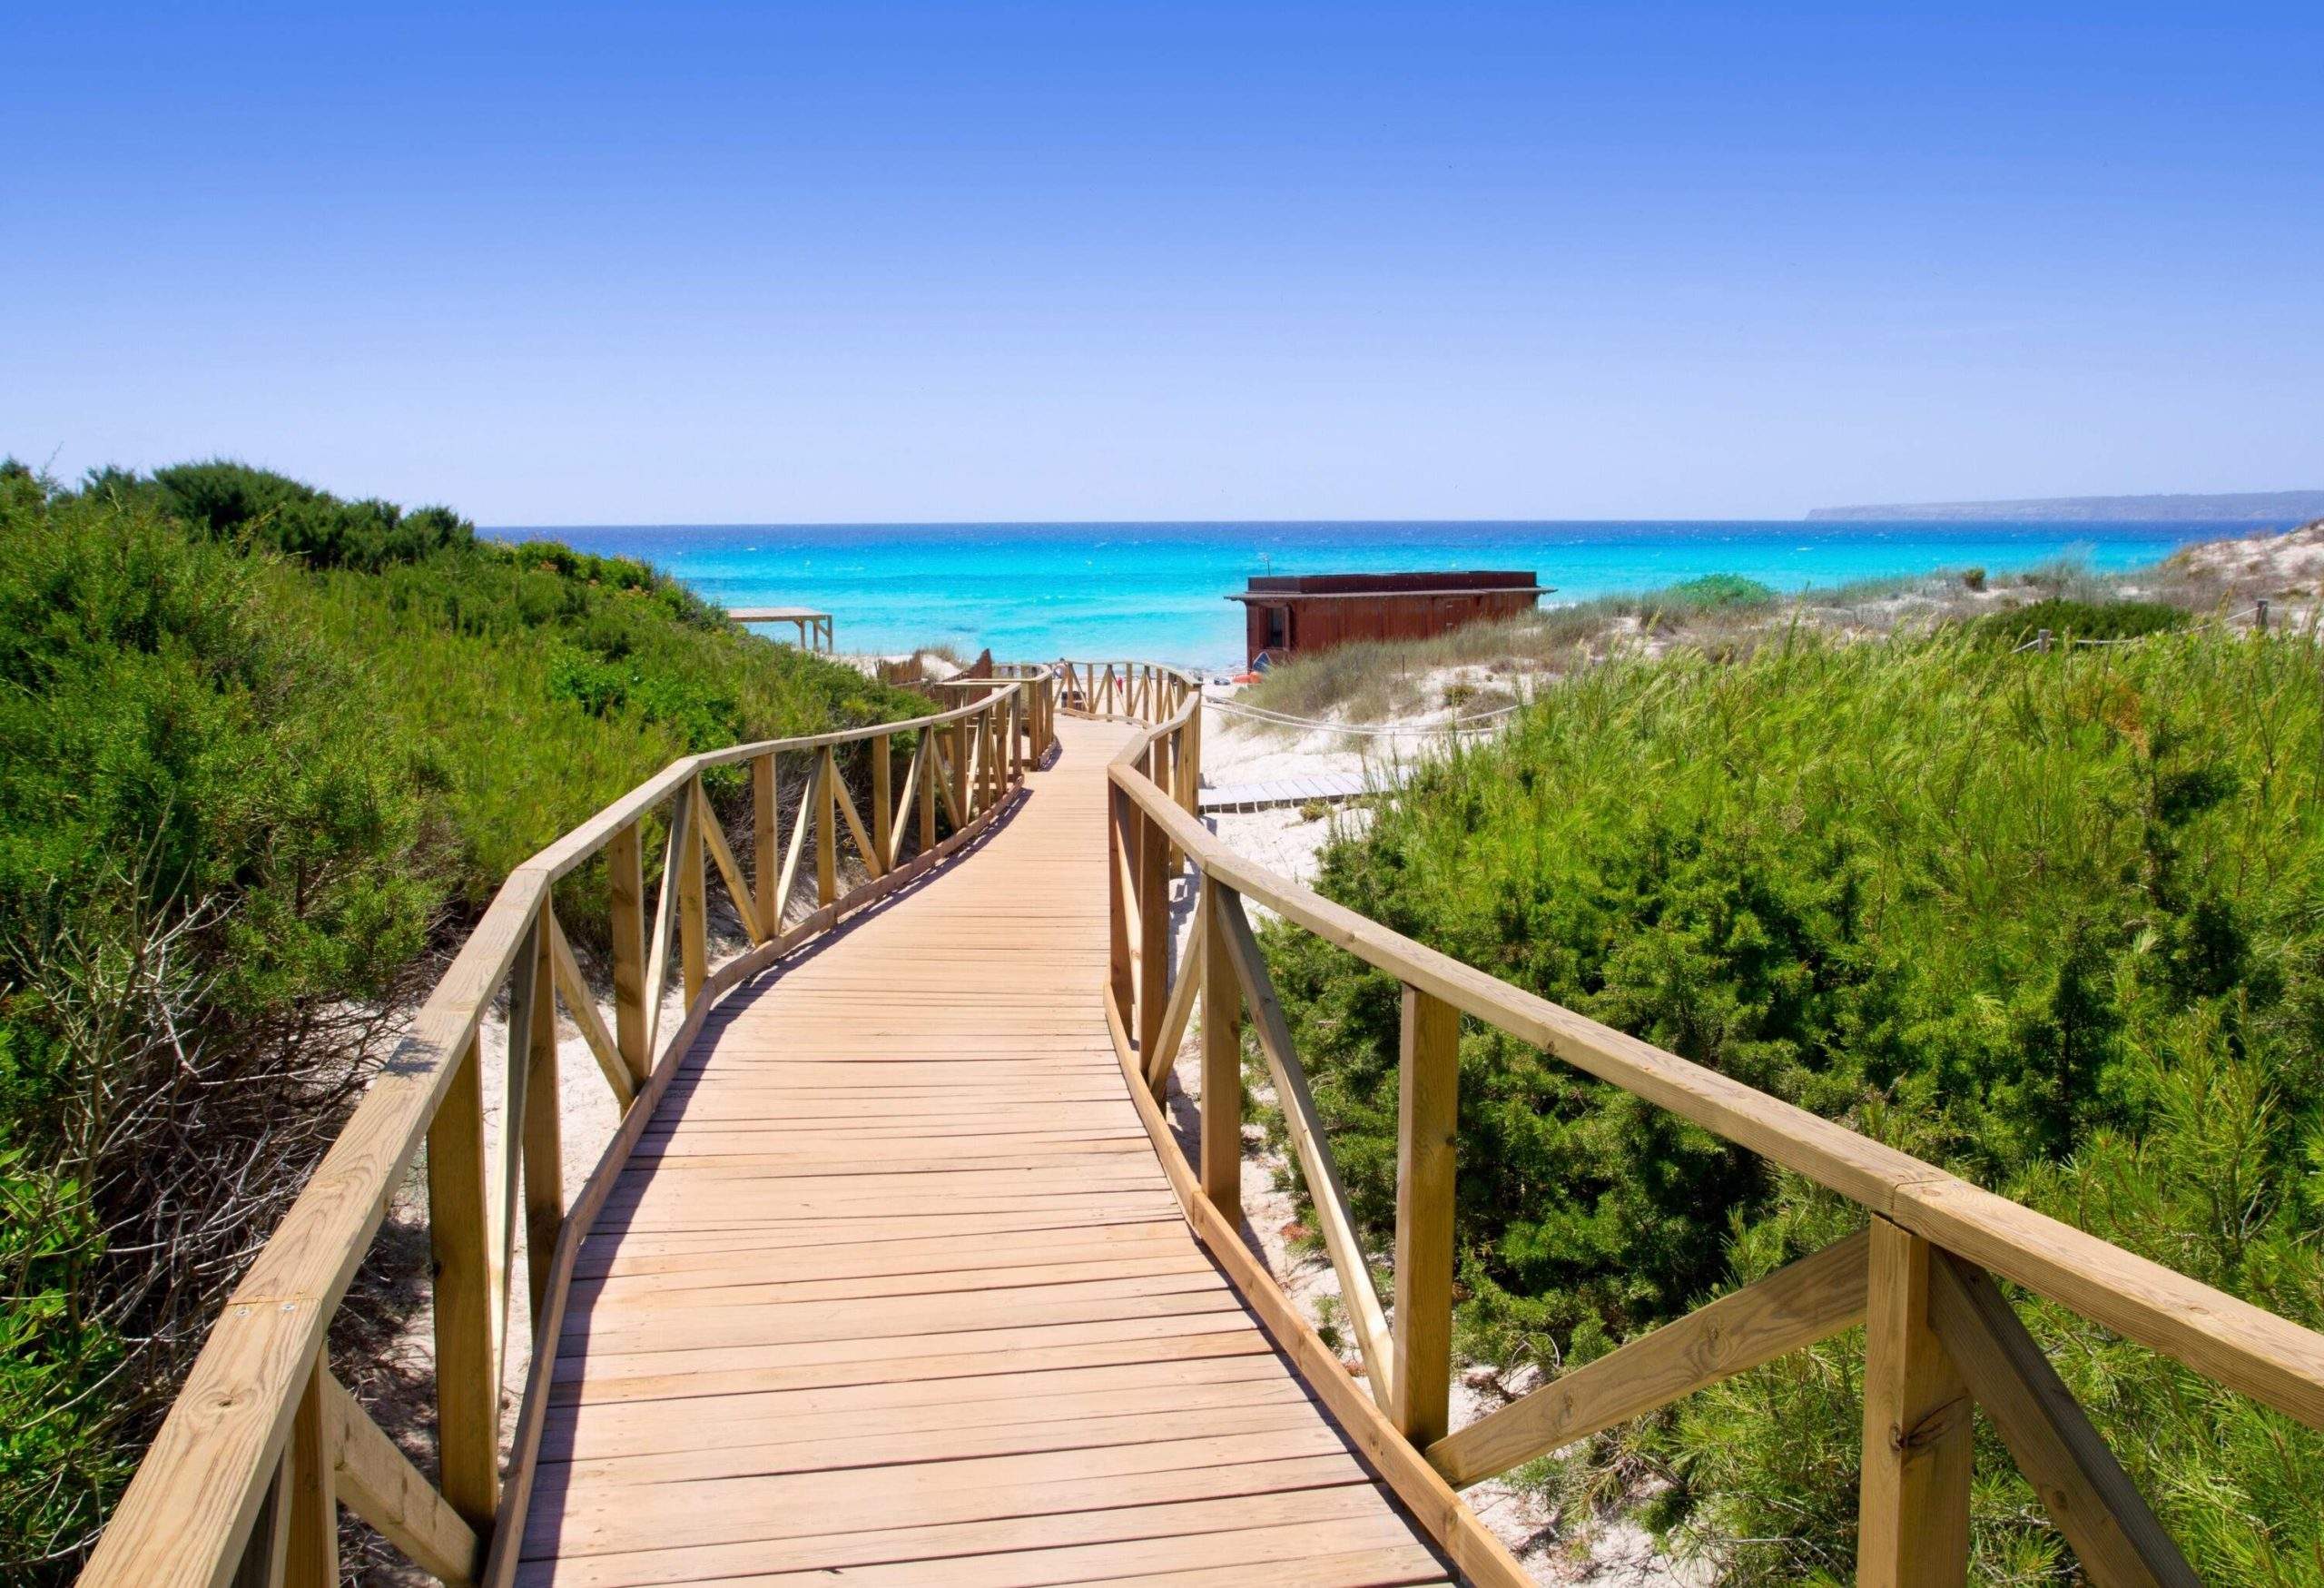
{"x":894,"y":1290}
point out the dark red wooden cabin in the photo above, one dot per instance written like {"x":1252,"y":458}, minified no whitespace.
{"x":1296,"y":615}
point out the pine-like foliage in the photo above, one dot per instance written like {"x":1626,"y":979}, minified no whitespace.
{"x":2055,"y":921}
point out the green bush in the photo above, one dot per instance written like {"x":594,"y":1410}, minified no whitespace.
{"x":2054,"y":928}
{"x":536,"y":684}
{"x":205,"y":853}
{"x":254,"y":509}
{"x":2066,"y":618}
{"x":1716,"y":593}
{"x":259,"y":747}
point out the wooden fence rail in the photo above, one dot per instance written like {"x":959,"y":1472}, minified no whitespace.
{"x":243,"y":1482}
{"x":1941,"y":1340}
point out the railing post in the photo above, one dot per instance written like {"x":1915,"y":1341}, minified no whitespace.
{"x":626,"y":875}
{"x":266,"y":1552}
{"x":826,"y":828}
{"x":1913,"y":1518}
{"x":468,"y":1400}
{"x":542,"y":1124}
{"x":693,"y":944}
{"x":884,"y":818}
{"x":995,"y":767}
{"x":311,"y":1559}
{"x":1222,"y":1062}
{"x":926,"y":787}
{"x":1427,"y":1122}
{"x":1193,"y":795}
{"x":1152,"y":931}
{"x":766,"y":851}
{"x":1118,"y":859}
{"x":959,"y":731}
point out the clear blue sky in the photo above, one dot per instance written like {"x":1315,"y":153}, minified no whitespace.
{"x":672,"y":264}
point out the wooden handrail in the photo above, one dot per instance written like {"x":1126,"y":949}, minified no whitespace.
{"x":1940,"y":1336}
{"x":259,"y":1431}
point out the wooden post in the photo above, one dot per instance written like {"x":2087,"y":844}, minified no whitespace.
{"x":996,"y":770}
{"x":692,"y":946}
{"x":267,"y":1550}
{"x":826,"y":828}
{"x":682,"y":842}
{"x":1118,"y":858}
{"x":626,"y":872}
{"x":960,"y":730}
{"x":542,"y":1125}
{"x":2041,"y":640}
{"x":766,"y":848}
{"x":883,"y":795}
{"x":468,"y":1400}
{"x":926,"y":787}
{"x":1221,"y":1063}
{"x":1152,"y":931}
{"x":1912,"y":1516}
{"x":2263,"y":615}
{"x":1193,"y":793}
{"x":312,"y":1559}
{"x":1427,"y":1124}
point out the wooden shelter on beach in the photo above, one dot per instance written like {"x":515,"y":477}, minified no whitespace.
{"x":814,"y":627}
{"x":1289,"y":614}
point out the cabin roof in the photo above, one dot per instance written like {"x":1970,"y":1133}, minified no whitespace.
{"x":1273,"y":588}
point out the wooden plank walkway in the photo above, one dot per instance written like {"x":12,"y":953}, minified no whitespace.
{"x":894,"y":1290}
{"x":1331,"y":788}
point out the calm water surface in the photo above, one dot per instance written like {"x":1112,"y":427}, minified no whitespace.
{"x":1156,"y":590}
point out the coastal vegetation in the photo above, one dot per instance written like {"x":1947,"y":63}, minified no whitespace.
{"x":1723,"y":616}
{"x":2047,"y":919}
{"x":262,"y":750}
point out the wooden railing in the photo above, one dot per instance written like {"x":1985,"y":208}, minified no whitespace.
{"x":1941,"y":1337}
{"x":1040,"y":706}
{"x":243,"y":1482}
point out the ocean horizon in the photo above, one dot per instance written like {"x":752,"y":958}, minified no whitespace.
{"x":1157,"y":591}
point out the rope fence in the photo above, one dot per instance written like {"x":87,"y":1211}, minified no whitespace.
{"x":2043,"y":639}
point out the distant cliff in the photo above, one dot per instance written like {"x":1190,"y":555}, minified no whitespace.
{"x":2286,"y":507}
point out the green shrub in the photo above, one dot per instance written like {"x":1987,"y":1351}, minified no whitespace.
{"x":206,"y":852}
{"x":257,"y":746}
{"x":255,"y":509}
{"x":1716,"y":593}
{"x":2052,"y":928}
{"x":2066,"y":618}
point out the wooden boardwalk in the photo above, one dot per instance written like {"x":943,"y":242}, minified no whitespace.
{"x":1332,"y":788}
{"x":893,"y":1290}
{"x":881,"y":1280}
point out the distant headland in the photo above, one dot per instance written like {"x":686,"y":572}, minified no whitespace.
{"x":2289,"y":507}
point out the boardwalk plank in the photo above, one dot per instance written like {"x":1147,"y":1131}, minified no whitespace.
{"x":894,"y":1290}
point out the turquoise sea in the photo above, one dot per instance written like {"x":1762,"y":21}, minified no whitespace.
{"x":1157,"y":591}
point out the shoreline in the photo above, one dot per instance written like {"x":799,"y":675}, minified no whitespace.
{"x":1158,"y":591}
